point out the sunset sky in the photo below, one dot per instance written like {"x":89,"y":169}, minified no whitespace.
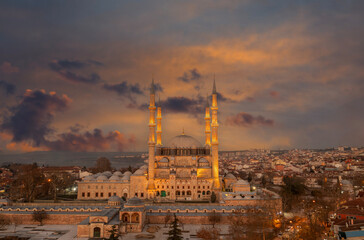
{"x":75,"y":75}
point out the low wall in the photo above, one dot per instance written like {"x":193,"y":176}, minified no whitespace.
{"x":55,"y":219}
{"x":188,"y":219}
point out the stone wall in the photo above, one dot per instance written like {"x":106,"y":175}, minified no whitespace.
{"x":188,"y":219}
{"x":54,"y":219}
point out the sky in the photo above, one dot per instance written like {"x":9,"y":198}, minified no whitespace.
{"x":75,"y":75}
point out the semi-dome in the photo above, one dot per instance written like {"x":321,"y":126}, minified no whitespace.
{"x":184,"y":141}
{"x":127,"y":173}
{"x":164,"y":160}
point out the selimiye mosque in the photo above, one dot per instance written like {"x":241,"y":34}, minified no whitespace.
{"x":182,"y":177}
{"x":180,"y":170}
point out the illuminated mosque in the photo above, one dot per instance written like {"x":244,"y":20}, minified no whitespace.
{"x":183,"y":169}
{"x":181,"y":178}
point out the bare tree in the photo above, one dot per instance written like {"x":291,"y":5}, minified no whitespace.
{"x":214,"y":218}
{"x":59,"y":182}
{"x":40,"y":216}
{"x":167,"y":218}
{"x":208,"y":234}
{"x":27,"y":182}
{"x":4,"y":221}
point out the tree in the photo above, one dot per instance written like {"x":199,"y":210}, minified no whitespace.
{"x":264,"y":181}
{"x":59,"y":182}
{"x":175,"y":233}
{"x":213,"y":197}
{"x":102,"y":164}
{"x":293,"y":188}
{"x":40,"y":216}
{"x":114,"y":233}
{"x":4,"y":221}
{"x":250,"y":177}
{"x":167,"y":218}
{"x":208,"y":234}
{"x":214,"y":218}
{"x":27,"y":182}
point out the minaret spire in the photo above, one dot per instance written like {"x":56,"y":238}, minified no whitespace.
{"x":151,"y":141}
{"x":207,"y":124}
{"x":214,"y":87}
{"x":159,"y":122}
{"x":214,"y":138}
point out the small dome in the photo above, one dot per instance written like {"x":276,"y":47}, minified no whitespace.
{"x":125,"y":178}
{"x":203,"y":160}
{"x":89,"y":178}
{"x":114,"y":178}
{"x":230,"y":176}
{"x":134,"y":201}
{"x":164,"y":160}
{"x":114,"y":201}
{"x":138,"y":172}
{"x":127,"y":173}
{"x":107,"y":173}
{"x":242,"y":182}
{"x":184,"y":141}
{"x":144,"y":167}
{"x":117,"y":173}
{"x":101,"y":178}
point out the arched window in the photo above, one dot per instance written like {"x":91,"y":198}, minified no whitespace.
{"x":188,"y":193}
{"x":125,"y":217}
{"x":97,"y":232}
{"x":135,"y":218}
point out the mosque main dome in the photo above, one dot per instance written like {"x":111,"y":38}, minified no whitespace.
{"x":184,"y":141}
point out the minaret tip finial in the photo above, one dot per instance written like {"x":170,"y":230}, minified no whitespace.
{"x":214,"y":87}
{"x":183,"y":131}
{"x":152,"y":90}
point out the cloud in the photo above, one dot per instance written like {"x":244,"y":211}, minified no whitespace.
{"x":6,"y":67}
{"x":192,"y":106}
{"x":247,"y":120}
{"x":30,"y":120}
{"x":90,"y":141}
{"x":189,"y":76}
{"x":9,"y":88}
{"x":125,"y":90}
{"x":158,"y":87}
{"x":274,"y":94}
{"x":64,"y":67}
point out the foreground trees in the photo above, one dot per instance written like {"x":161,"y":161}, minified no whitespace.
{"x":28,"y":182}
{"x":40,"y":216}
{"x":208,"y":233}
{"x":175,"y":233}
